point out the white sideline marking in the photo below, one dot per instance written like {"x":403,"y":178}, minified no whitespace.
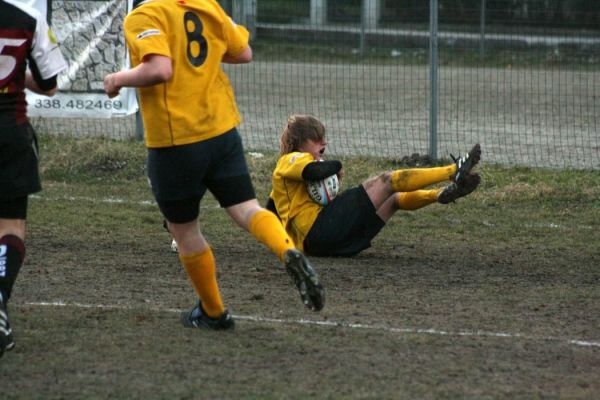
{"x":416,"y":331}
{"x":108,"y":200}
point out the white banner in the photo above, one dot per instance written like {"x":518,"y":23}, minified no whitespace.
{"x":92,"y":49}
{"x":82,"y":105}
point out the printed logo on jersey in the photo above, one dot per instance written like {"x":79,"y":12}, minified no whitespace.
{"x":3,"y":250}
{"x":149,"y":32}
{"x":52,"y":37}
{"x":294,"y":158}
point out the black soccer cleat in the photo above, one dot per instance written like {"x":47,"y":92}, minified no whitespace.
{"x":455,"y":191}
{"x":306,"y":280}
{"x":7,"y":341}
{"x":466,"y":163}
{"x":197,"y":318}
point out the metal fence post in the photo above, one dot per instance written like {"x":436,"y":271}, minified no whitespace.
{"x":139,"y":122}
{"x":318,"y":12}
{"x":433,"y":76}
{"x":363,"y":21}
{"x":482,"y":30}
{"x":49,"y":12}
{"x":244,"y":12}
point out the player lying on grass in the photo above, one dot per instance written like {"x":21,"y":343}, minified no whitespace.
{"x":346,"y":225}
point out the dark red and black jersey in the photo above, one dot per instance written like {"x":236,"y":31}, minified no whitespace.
{"x":25,"y":41}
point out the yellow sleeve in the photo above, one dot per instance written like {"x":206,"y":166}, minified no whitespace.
{"x":145,"y":34}
{"x":237,"y":37}
{"x":291,"y":165}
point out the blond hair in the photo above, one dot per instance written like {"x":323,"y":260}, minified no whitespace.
{"x":298,"y":130}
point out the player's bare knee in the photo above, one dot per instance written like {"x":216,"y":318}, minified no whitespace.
{"x":385,"y":181}
{"x":386,"y":177}
{"x":379,"y":188}
{"x":380,"y":180}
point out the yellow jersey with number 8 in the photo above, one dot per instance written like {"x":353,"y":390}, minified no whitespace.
{"x":198,"y":102}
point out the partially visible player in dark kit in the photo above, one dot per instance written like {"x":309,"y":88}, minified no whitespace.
{"x":346,"y":225}
{"x":29,"y":58}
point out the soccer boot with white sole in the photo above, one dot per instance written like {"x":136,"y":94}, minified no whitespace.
{"x":197,"y":318}
{"x":455,"y":191}
{"x":466,"y":163}
{"x":6,"y":337}
{"x":306,"y":280}
{"x":174,"y":248}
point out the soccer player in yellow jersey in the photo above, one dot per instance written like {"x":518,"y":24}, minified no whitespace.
{"x":190,"y":117}
{"x":347,"y":225}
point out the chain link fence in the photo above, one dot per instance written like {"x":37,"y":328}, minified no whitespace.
{"x":520,"y":77}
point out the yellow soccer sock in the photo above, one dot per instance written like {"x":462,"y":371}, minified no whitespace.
{"x":267,"y":228}
{"x":202,"y":271}
{"x":417,"y":199}
{"x":409,"y":180}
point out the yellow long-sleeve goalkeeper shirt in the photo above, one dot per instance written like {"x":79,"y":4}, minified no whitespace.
{"x":294,"y":206}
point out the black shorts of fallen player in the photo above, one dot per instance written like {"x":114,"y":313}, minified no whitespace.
{"x":344,"y":227}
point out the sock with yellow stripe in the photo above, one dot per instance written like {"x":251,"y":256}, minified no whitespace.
{"x":202,"y":271}
{"x":417,"y":199}
{"x":409,"y":180}
{"x":267,"y":228}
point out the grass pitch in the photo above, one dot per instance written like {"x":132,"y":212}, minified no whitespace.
{"x":496,"y":296}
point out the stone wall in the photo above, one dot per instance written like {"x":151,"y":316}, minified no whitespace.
{"x":91,"y":38}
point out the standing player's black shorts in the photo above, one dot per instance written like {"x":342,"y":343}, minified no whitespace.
{"x":19,"y":173}
{"x":345,"y":227}
{"x":180,"y":175}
